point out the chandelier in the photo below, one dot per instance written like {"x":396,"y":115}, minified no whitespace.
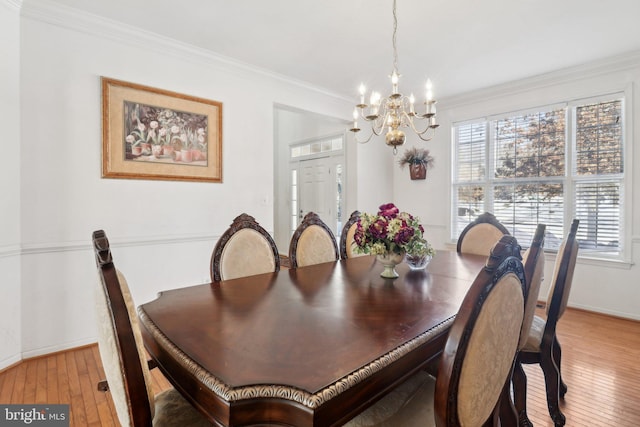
{"x":397,"y":111}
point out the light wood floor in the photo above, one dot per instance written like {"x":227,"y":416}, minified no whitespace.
{"x":601,"y":366}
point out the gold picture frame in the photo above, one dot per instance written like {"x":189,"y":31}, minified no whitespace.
{"x":150,"y":133}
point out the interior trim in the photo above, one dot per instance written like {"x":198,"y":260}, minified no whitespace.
{"x":78,"y":20}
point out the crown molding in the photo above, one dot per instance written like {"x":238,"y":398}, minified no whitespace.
{"x":622,"y":62}
{"x":98,"y":26}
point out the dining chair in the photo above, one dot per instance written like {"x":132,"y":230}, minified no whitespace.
{"x":477,"y":360}
{"x":244,"y":249}
{"x":479,"y":236}
{"x":123,"y":355}
{"x":542,"y":346}
{"x":313,"y":242}
{"x":347,"y":242}
{"x":533,"y":261}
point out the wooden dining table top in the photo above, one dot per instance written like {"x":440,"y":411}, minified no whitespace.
{"x":308,"y":346}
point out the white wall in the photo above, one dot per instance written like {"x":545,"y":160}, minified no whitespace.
{"x":162,"y":232}
{"x":607,"y":287}
{"x":10,"y":297}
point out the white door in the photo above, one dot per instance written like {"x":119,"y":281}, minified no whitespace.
{"x":316,"y":190}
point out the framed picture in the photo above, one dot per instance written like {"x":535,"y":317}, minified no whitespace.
{"x":150,"y":133}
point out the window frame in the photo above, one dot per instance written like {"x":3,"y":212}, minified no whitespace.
{"x":570,"y":178}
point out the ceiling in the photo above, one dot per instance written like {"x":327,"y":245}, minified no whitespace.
{"x":461,"y":45}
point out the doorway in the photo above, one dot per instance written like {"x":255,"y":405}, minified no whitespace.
{"x":309,"y":170}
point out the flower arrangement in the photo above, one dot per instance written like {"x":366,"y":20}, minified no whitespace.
{"x":389,"y":231}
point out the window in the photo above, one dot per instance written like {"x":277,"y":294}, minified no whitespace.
{"x":331,"y":144}
{"x":548,"y":165}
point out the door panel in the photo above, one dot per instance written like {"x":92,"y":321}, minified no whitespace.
{"x":316,"y":190}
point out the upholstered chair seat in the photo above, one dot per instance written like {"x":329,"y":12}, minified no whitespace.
{"x":408,"y":405}
{"x":312,"y":243}
{"x":244,"y":249}
{"x":534,"y":337}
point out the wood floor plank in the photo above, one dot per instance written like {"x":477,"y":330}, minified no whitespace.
{"x":101,"y":399}
{"x":63,"y":379}
{"x":7,"y":382}
{"x":17,"y":395}
{"x":31,"y":381}
{"x":84,"y":360}
{"x":78,"y":417}
{"x":599,"y":364}
{"x":51,"y":384}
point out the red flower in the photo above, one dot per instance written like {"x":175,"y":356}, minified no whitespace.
{"x":388,"y":210}
{"x":378,"y":229}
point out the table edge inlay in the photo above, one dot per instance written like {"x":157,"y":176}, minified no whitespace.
{"x":310,"y":400}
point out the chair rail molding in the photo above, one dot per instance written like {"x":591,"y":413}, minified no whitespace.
{"x":9,"y":251}
{"x":72,"y":246}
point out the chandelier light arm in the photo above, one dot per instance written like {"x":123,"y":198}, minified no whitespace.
{"x":355,"y":137}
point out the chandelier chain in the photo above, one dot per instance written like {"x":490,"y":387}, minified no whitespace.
{"x":395,"y":30}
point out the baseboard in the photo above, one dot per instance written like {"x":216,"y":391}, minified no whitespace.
{"x":47,"y":351}
{"x":10,"y":362}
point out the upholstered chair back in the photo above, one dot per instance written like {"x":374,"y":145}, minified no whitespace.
{"x":347,"y":241}
{"x":120,"y":342}
{"x":533,"y":260}
{"x":479,"y":354}
{"x":481,"y":235}
{"x":246,"y":253}
{"x":313,"y":242}
{"x":563,"y":272}
{"x":245,"y":249}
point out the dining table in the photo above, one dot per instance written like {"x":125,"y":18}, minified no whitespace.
{"x":307,"y":346}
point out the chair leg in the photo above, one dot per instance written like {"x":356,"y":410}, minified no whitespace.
{"x":520,"y":395}
{"x":552,"y":380}
{"x":508,"y":414}
{"x":557,"y":356}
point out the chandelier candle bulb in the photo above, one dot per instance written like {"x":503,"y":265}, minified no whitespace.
{"x":355,"y":118}
{"x":362,"y":92}
{"x":412,"y":100}
{"x":394,"y":82}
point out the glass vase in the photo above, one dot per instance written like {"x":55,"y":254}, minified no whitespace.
{"x":417,"y":262}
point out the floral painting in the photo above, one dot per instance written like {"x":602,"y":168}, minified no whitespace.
{"x":164,"y":135}
{"x":152,"y":133}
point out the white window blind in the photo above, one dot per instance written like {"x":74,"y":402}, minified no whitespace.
{"x":517,"y":167}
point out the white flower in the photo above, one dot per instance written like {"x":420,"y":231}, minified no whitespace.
{"x":153,"y":124}
{"x":175,"y":129}
{"x":130,"y":139}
